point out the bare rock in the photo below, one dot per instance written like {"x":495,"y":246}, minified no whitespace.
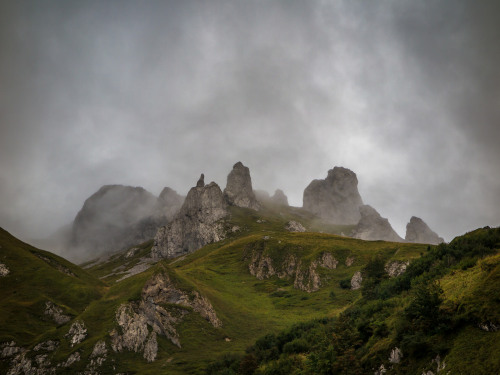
{"x":9,"y":349}
{"x":99,"y":349}
{"x":349,"y":261}
{"x":75,"y":357}
{"x":48,"y":346}
{"x":279,"y":197}
{"x":198,"y":223}
{"x":374,"y":227}
{"x":294,"y":226}
{"x":328,"y":261}
{"x":169,"y":202}
{"x":77,"y":333}
{"x":335,"y":198}
{"x":307,"y":279}
{"x":56,"y":313}
{"x":396,"y":268}
{"x":238,"y":191}
{"x":396,"y":355}
{"x":356,"y":280}
{"x":155,"y":310}
{"x":201,"y":181}
{"x":418,"y":231}
{"x":489,"y":326}
{"x":4,"y":271}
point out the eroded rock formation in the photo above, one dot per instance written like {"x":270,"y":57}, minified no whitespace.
{"x":305,"y":276}
{"x":335,"y":198}
{"x":117,"y":217}
{"x":198,"y":223}
{"x":238,"y":191}
{"x":418,"y":231}
{"x":157,"y":309}
{"x":294,"y":226}
{"x":374,"y":227}
{"x":279,"y":197}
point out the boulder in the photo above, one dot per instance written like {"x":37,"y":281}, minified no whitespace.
{"x":335,"y":198}
{"x":238,"y":191}
{"x":373,"y":227}
{"x":198,"y":223}
{"x":418,"y":231}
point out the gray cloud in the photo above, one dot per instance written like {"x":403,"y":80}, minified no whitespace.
{"x":149,"y":93}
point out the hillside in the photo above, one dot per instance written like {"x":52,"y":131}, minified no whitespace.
{"x":130,"y":314}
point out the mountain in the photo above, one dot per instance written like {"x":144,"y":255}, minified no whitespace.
{"x":117,"y":217}
{"x":335,"y":198}
{"x":374,"y":227}
{"x":418,"y":231}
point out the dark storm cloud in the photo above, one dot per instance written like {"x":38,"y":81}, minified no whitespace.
{"x":148,"y":93}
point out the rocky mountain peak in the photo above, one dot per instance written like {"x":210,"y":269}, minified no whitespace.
{"x":238,"y":191}
{"x":335,"y":198}
{"x":201,"y":181}
{"x":373,"y":227}
{"x":198,"y":223}
{"x":279,"y":197}
{"x":418,"y":231}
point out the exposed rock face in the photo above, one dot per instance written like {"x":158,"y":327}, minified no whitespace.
{"x":418,"y":231}
{"x":279,"y":197}
{"x":48,"y":346}
{"x":305,"y":277}
{"x":396,"y":268}
{"x":117,"y":217}
{"x":9,"y":349}
{"x":4,"y":271}
{"x":56,"y":313}
{"x":396,"y":355}
{"x":356,"y":280}
{"x":77,"y":333}
{"x":155,"y":310}
{"x":197,"y":224}
{"x":335,"y":198}
{"x":238,"y":191}
{"x":373,"y":227}
{"x":294,"y":226}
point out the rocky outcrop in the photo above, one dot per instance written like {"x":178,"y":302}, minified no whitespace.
{"x":56,"y":313}
{"x":117,"y":217}
{"x":4,"y":271}
{"x":418,"y":231}
{"x":77,"y":333}
{"x":9,"y":349}
{"x":335,"y":198}
{"x":279,"y":197}
{"x":162,"y":307}
{"x":374,"y":227}
{"x":396,"y":267}
{"x":396,"y":355}
{"x":356,"y":280}
{"x":238,"y":191}
{"x":198,"y":223}
{"x":294,"y":226}
{"x":305,"y":277}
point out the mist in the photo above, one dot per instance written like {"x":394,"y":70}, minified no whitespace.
{"x":406,"y":94}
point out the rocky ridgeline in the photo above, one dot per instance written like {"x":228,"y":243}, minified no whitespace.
{"x":198,"y":223}
{"x":335,"y":198}
{"x":117,"y":217}
{"x":418,"y":231}
{"x":157,"y":309}
{"x":238,"y":191}
{"x":305,"y":276}
{"x":279,"y":197}
{"x":372,"y":227}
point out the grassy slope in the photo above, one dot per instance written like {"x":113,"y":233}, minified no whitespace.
{"x":37,"y":276}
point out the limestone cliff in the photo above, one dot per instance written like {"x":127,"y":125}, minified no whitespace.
{"x":373,"y":227}
{"x":418,"y":231}
{"x":335,"y":198}
{"x":198,"y":223}
{"x":238,"y":191}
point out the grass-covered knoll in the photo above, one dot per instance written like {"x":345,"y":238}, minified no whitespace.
{"x":446,"y":304}
{"x":37,"y":276}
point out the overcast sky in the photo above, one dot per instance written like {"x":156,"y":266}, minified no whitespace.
{"x":153,"y":93}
